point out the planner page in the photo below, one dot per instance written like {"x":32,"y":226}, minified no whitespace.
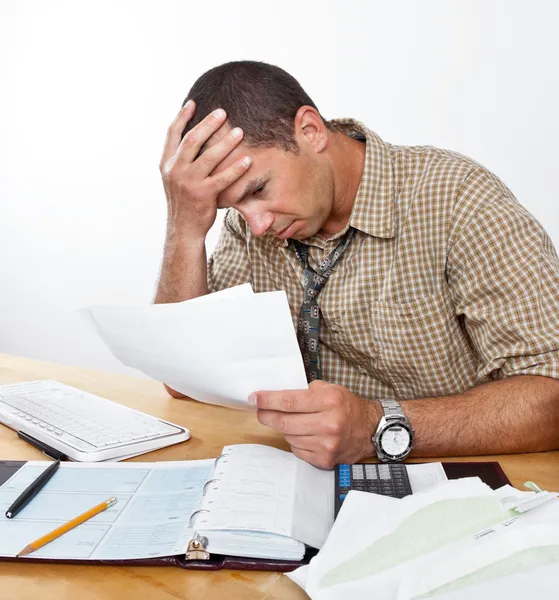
{"x":313,"y":512}
{"x":263,"y":489}
{"x":150,"y":518}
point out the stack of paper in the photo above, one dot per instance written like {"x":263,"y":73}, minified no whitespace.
{"x":217,"y":348}
{"x":455,"y":540}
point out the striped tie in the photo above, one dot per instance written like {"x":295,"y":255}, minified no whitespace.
{"x":309,"y":315}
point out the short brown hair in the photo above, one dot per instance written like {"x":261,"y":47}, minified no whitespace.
{"x":259,"y":98}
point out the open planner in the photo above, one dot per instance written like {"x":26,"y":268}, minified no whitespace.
{"x":253,"y":507}
{"x":253,"y":502}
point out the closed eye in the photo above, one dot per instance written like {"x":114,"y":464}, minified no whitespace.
{"x":254,"y":187}
{"x":252,"y":194}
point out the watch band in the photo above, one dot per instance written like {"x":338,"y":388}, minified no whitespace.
{"x":391,"y":408}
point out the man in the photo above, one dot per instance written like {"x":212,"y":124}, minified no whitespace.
{"x":437,"y":306}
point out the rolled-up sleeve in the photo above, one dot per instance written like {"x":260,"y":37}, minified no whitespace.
{"x":505,"y":283}
{"x":229,"y":264}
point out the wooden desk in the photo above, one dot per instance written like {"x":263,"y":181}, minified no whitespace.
{"x":211,"y":428}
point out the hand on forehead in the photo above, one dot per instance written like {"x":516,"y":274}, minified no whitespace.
{"x":218,"y":135}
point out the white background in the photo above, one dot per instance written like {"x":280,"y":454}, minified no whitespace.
{"x":88,"y":89}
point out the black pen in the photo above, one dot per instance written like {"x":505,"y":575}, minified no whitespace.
{"x":32,"y":490}
{"x":44,"y":448}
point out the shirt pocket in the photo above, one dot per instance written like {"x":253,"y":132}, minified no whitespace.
{"x":423,"y":347}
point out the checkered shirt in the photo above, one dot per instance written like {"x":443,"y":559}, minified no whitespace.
{"x":447,"y":283}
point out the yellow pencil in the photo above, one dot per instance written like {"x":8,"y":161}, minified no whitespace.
{"x":49,"y":537}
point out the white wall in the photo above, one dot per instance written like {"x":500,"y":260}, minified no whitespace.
{"x":88,"y":89}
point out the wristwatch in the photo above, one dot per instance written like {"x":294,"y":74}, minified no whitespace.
{"x":393,"y":439}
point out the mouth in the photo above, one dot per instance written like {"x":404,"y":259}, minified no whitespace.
{"x":286,"y":232}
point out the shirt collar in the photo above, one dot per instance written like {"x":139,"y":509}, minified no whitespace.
{"x":373,"y":207}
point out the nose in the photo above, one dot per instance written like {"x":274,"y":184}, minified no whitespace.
{"x":259,"y":223}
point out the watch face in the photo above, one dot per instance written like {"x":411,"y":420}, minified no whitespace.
{"x":395,"y":441}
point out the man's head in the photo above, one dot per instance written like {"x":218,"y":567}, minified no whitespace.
{"x":259,"y":98}
{"x":289,"y":189}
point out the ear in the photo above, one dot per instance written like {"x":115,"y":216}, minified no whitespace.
{"x":310,"y":129}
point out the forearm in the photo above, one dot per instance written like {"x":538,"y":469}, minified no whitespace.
{"x":183,"y":275}
{"x":327,"y":425}
{"x":183,"y":272}
{"x":517,"y":414}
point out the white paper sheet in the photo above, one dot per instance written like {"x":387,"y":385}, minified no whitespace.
{"x":537,"y":582}
{"x":491,"y":559}
{"x":425,"y":476}
{"x":218,"y":348}
{"x":437,"y":552}
{"x":482,"y":558}
{"x":379,"y":552}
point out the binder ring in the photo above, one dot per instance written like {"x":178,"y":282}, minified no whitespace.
{"x":207,"y":482}
{"x":200,"y":510}
{"x":220,"y":456}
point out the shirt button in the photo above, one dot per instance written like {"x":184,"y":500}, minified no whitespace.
{"x":334,"y":329}
{"x":362,"y":370}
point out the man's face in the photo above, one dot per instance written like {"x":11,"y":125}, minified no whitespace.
{"x":281,"y":193}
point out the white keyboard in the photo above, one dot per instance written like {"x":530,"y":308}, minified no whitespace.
{"x":83,"y":426}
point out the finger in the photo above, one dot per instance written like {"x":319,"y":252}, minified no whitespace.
{"x":286,"y":400}
{"x":211,"y":157}
{"x":307,"y":443}
{"x":309,"y":449}
{"x":292,"y":423}
{"x":175,"y":130}
{"x":199,"y":135}
{"x":306,"y":455}
{"x":228,"y":177}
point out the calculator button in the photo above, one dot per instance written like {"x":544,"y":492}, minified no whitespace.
{"x":384,"y":472}
{"x":357,"y":472}
{"x":371,"y":471}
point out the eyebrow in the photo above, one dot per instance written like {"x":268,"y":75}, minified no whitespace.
{"x":253,"y":185}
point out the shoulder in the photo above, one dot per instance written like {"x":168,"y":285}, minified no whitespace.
{"x":438,"y":167}
{"x":459,"y":182}
{"x":459,"y":190}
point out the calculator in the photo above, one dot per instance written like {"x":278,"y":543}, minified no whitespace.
{"x":388,"y":479}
